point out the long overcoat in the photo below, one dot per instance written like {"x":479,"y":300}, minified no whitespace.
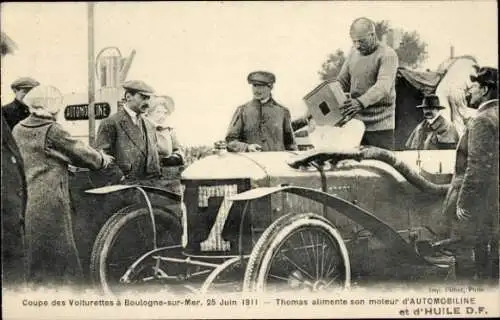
{"x":474,"y":187}
{"x":47,"y":149}
{"x":441,"y":134}
{"x":14,"y":199}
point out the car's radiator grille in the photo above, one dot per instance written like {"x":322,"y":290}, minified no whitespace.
{"x":212,"y":220}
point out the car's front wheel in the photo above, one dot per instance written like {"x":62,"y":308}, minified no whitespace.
{"x":298,"y":252}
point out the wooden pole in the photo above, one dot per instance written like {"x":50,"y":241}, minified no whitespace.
{"x":90,"y":72}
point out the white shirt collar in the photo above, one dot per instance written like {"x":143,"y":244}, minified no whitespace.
{"x":431,"y":121}
{"x":131,"y":113}
{"x":265,"y":100}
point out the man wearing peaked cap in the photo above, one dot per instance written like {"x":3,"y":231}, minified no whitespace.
{"x":132,"y":141}
{"x":261,"y":124}
{"x":138,"y":87}
{"x":261,"y":77}
{"x":17,"y":110}
{"x":434,"y":132}
{"x":471,"y":206}
{"x":24,"y":82}
{"x":129,"y":138}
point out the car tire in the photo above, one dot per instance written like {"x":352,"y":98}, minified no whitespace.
{"x":110,"y":234}
{"x":282,"y":230}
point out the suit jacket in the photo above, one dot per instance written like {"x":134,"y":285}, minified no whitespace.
{"x":441,"y":134}
{"x":136,"y":155}
{"x":268,"y":125}
{"x":14,"y":196}
{"x":474,"y":186}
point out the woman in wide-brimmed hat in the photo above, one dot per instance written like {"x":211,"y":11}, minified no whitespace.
{"x":169,"y":148}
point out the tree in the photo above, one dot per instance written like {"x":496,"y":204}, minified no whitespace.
{"x":331,"y":68}
{"x":412,"y":51}
{"x":381,"y":28}
{"x":194,"y":153}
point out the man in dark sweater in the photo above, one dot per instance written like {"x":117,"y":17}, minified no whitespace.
{"x":17,"y":110}
{"x":369,"y":75}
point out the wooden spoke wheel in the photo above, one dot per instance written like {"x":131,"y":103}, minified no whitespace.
{"x":125,"y":238}
{"x":301,"y":252}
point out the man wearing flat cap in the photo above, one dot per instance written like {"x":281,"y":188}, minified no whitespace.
{"x":434,"y":132}
{"x":17,"y":110}
{"x":261,"y":124}
{"x":471,"y":206}
{"x":129,"y":138}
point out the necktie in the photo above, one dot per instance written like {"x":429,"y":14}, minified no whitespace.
{"x":141,"y":126}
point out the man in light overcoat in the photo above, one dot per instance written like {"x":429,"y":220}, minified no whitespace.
{"x":434,"y":132}
{"x":47,"y":149}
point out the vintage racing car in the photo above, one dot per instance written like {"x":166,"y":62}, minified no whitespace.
{"x":304,"y":220}
{"x":298,"y":219}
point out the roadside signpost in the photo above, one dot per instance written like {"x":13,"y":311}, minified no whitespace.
{"x":91,"y":80}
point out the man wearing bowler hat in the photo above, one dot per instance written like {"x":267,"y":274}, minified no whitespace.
{"x":129,"y":138}
{"x":17,"y":110}
{"x":261,"y":124}
{"x":471,"y":206}
{"x":434,"y":132}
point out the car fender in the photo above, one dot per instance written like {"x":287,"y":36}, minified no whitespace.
{"x":370,"y":222}
{"x":144,"y":192}
{"x":122,"y":187}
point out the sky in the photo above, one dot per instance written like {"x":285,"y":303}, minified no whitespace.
{"x":200,"y":53}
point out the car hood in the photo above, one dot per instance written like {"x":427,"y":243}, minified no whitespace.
{"x":249,"y":165}
{"x":264,"y":165}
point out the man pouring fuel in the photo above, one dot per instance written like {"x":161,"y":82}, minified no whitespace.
{"x":368,"y":75}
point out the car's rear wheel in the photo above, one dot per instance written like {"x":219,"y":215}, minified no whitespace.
{"x":227,"y":277}
{"x":300,"y":252}
{"x":125,"y":237}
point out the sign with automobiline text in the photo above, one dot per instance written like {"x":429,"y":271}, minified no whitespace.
{"x":102,"y":110}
